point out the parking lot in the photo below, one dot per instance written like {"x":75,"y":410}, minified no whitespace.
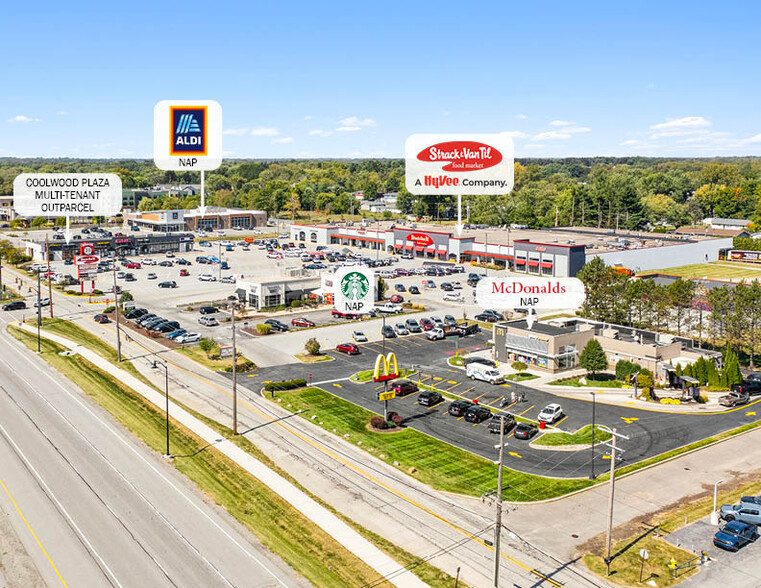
{"x":725,"y":568}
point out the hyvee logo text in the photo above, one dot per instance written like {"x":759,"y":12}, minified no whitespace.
{"x":463,"y":156}
{"x":188,"y":130}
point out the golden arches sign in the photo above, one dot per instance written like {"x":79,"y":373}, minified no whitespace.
{"x":386,"y":368}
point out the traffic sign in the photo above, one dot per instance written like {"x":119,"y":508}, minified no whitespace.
{"x":390,"y":395}
{"x":643,"y":553}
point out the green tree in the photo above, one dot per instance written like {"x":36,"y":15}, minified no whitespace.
{"x":593,"y":358}
{"x":207,"y":345}
{"x":312,"y":346}
{"x":38,"y":221}
{"x":382,"y":288}
{"x":519,"y":366}
{"x":605,"y":291}
{"x":681,"y":294}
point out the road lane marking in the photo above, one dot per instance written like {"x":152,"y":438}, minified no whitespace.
{"x":452,"y":382}
{"x":629,"y":420}
{"x":37,"y":539}
{"x":337,"y":385}
{"x":513,"y":454}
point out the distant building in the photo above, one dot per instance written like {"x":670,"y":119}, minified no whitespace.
{"x":215,"y":218}
{"x":6,"y":208}
{"x":730,"y":224}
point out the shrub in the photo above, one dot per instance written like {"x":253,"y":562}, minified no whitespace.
{"x":626,"y":368}
{"x":702,"y":398}
{"x":263,"y":329}
{"x":126,"y":297}
{"x":207,"y":345}
{"x":97,"y":292}
{"x":378,"y":423}
{"x":285,"y":385}
{"x":518,"y":366}
{"x":109,"y":309}
{"x":312,"y":346}
{"x":391,"y":415}
{"x":397,"y":419}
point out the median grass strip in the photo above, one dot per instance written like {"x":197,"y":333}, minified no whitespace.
{"x":433,"y":462}
{"x":581,"y":437}
{"x":299,"y":542}
{"x":216,"y":364}
{"x":367,"y":375}
{"x":520,"y":377}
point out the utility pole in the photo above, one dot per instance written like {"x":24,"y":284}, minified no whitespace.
{"x":498,"y":522}
{"x":39,"y":313}
{"x":2,"y":291}
{"x":50,"y":279}
{"x":612,"y":483}
{"x":116,"y":310}
{"x":592,"y":464}
{"x":235,"y":377}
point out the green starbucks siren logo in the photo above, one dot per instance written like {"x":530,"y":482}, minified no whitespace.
{"x":354,"y":286}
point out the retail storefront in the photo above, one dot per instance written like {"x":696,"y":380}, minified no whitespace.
{"x":143,"y":245}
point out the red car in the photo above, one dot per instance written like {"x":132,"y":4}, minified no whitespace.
{"x":132,"y":265}
{"x":347,"y":315}
{"x":348,"y":348}
{"x":184,"y":272}
{"x":302,"y":322}
{"x":396,"y":299}
{"x":426,"y":324}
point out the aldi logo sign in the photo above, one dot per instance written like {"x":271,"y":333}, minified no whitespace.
{"x":188,"y":130}
{"x":459,"y":164}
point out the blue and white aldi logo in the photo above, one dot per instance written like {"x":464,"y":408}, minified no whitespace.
{"x":354,"y":290}
{"x":187,"y":135}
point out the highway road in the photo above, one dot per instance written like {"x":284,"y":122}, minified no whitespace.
{"x":94,"y":507}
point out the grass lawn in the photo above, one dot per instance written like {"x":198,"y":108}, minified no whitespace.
{"x":722,"y":270}
{"x":367,"y":375}
{"x":625,"y":567}
{"x":218,"y":365}
{"x":598,"y":381}
{"x":430,"y":460}
{"x":456,"y":361}
{"x":303,"y":545}
{"x":581,"y":437}
{"x":520,"y":377}
{"x":306,"y":358}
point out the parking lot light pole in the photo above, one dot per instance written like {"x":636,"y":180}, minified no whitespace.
{"x":116,"y":310}
{"x":715,"y":489}
{"x":157,"y":364}
{"x":39,"y":313}
{"x":592,"y":462}
{"x":498,"y":521}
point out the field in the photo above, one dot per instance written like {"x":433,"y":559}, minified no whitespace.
{"x":719,"y":270}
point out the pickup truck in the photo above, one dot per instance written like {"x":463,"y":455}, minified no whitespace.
{"x":389,"y":308}
{"x":751,"y":387}
{"x":735,"y":398}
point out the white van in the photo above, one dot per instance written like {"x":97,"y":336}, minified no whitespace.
{"x":479,"y":371}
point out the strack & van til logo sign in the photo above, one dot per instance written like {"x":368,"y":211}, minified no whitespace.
{"x":463,"y":156}
{"x":420,"y":239}
{"x":187,"y":130}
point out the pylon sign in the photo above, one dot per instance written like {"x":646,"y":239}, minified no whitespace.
{"x":386,"y":368}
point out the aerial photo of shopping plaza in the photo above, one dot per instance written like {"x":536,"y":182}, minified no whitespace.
{"x":352,"y":296}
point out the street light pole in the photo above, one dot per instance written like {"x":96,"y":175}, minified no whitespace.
{"x":116,"y":310}
{"x":715,"y":488}
{"x":157,"y":364}
{"x":235,"y":378}
{"x":592,"y":463}
{"x":612,"y":482}
{"x":498,"y":522}
{"x":39,"y":313}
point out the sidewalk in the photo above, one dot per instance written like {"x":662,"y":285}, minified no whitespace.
{"x":322,"y":517}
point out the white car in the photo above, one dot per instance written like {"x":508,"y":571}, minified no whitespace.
{"x":148,"y":261}
{"x":152,"y":276}
{"x":359,"y":337}
{"x":188,"y":338}
{"x":226,"y":243}
{"x":401,"y":329}
{"x":207,"y":278}
{"x":453,"y":297}
{"x":550,"y":414}
{"x":227,"y":279}
{"x":44,"y":301}
{"x":208,"y":321}
{"x":434,"y":334}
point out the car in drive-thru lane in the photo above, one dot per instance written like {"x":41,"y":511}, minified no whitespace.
{"x":429,"y":398}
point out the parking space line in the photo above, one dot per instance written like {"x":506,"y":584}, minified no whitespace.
{"x":425,"y":377}
{"x":437,"y":378}
{"x":510,"y":405}
{"x":451,"y":382}
{"x":493,"y":402}
{"x":481,"y":396}
{"x":476,"y":424}
{"x":560,"y":421}
{"x":460,"y":418}
{"x":464,"y":392}
{"x":525,"y":411}
{"x":454,"y":385}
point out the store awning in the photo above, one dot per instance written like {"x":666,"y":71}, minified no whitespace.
{"x":547,"y":264}
{"x":431,"y":249}
{"x":408,"y":246}
{"x":442,"y":249}
{"x":533,"y":262}
{"x":520,"y":261}
{"x":321,"y":292}
{"x":419,"y":249}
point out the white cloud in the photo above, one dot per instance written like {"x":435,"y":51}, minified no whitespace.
{"x":348,"y":129}
{"x":353,"y":121}
{"x":551,"y":135}
{"x":282,"y":140}
{"x":236,"y":131}
{"x":515,"y":134}
{"x":320,"y":133}
{"x":560,"y":123}
{"x":265,"y":132}
{"x":686,"y":122}
{"x":753,"y":139}
{"x":63,"y":113}
{"x":521,"y":116}
{"x":20,"y":118}
{"x":629,"y":142}
{"x":308,"y":117}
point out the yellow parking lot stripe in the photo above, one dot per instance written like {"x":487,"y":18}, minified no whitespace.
{"x":464,"y":392}
{"x":514,"y":454}
{"x":425,"y":377}
{"x":482,"y":395}
{"x":493,"y":402}
{"x":525,"y":411}
{"x":560,"y":421}
{"x":451,"y":382}
{"x":460,"y":418}
{"x":437,"y":378}
{"x":476,"y":424}
{"x":454,"y":385}
{"x":338,"y":385}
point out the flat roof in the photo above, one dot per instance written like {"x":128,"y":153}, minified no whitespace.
{"x":542,"y":328}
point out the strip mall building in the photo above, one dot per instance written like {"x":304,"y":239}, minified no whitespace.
{"x":545,"y":259}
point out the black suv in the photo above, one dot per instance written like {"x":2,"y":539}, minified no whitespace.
{"x":388,"y":332}
{"x":15,"y":305}
{"x":477,"y":414}
{"x":403,"y":387}
{"x":496,"y":423}
{"x":489,"y":316}
{"x":136,"y":313}
{"x":276,"y":325}
{"x":481,"y":360}
{"x":458,"y":407}
{"x":208,"y":310}
{"x":429,"y":398}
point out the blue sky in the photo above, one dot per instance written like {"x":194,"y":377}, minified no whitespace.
{"x":338,"y":79}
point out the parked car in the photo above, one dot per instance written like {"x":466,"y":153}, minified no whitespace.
{"x":182,"y":261}
{"x":437,"y":321}
{"x":120,"y":275}
{"x":489,"y":316}
{"x":131,"y":265}
{"x":414,"y":290}
{"x":479,"y":371}
{"x":188,"y":338}
{"x":208,"y":321}
{"x":450,"y":321}
{"x":184,"y":272}
{"x":551,"y":413}
{"x":135,"y":313}
{"x":128,"y":277}
{"x":477,"y":414}
{"x":413,"y":326}
{"x":387,"y":332}
{"x":359,"y":337}
{"x":429,"y":283}
{"x":426,"y":324}
{"x":482,"y":360}
{"x":302,"y":322}
{"x":403,"y":387}
{"x":735,"y":399}
{"x":458,"y":407}
{"x":168,"y":284}
{"x":400,"y":288}
{"x":429,"y":398}
{"x":745,"y":513}
{"x":207,"y":278}
{"x":389,"y":308}
{"x":348,"y":348}
{"x":525,"y":431}
{"x":453,"y":297}
{"x":176,"y":333}
{"x":751,"y":387}
{"x":434,"y":334}
{"x":396,"y":299}
{"x":101,"y":318}
{"x":144,"y":318}
{"x":464,"y":330}
{"x":208,"y":309}
{"x":735,"y":535}
{"x":277,"y":325}
{"x":166,"y":263}
{"x":751,"y":500}
{"x":227,"y":279}
{"x":496,"y":423}
{"x":401,"y":329}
